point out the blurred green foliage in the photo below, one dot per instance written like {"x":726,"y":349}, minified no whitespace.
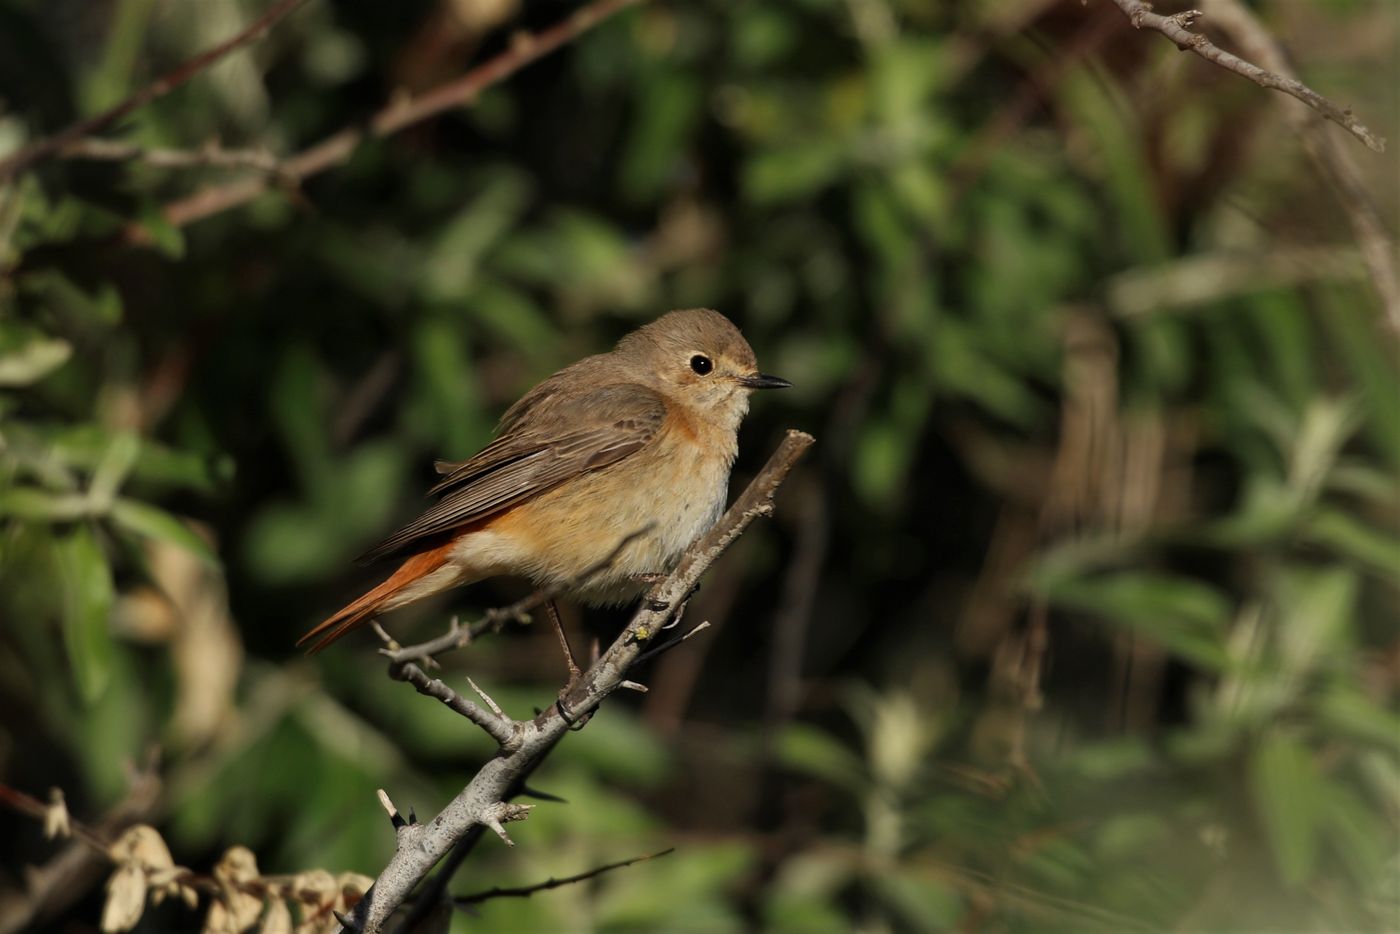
{"x":1102,"y":628}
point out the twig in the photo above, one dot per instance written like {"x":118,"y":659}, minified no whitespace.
{"x":31,"y":806}
{"x":1210,"y":277}
{"x":401,"y":112}
{"x":1177,"y":28}
{"x":669,"y":645}
{"x":419,"y":847}
{"x":498,"y":726}
{"x":1333,"y":162}
{"x":49,"y":146}
{"x":503,"y":730}
{"x":212,"y":154}
{"x":525,"y":891}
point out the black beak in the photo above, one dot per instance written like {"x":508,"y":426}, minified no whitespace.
{"x":764,"y":381}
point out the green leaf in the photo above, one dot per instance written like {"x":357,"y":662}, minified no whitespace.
{"x":809,"y":750}
{"x":1316,"y":608}
{"x":926,"y":904}
{"x":1286,"y":793}
{"x":1354,"y":539}
{"x":87,"y":603}
{"x":34,"y":505}
{"x":27,"y":355}
{"x":668,"y":104}
{"x":154,"y":522}
{"x":794,"y":172}
{"x":1347,"y":711}
{"x":168,"y":239}
{"x":1186,"y":616}
{"x":111,"y":471}
{"x":1363,"y":841}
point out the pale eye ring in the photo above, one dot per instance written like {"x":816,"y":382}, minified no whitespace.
{"x":701,"y":364}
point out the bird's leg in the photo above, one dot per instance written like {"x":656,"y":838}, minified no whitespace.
{"x":552,"y":609}
{"x":575,"y":674}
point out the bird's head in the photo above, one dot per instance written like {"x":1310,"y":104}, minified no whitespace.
{"x":698,"y":358}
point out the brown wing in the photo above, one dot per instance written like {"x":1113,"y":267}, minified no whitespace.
{"x":580,"y":434}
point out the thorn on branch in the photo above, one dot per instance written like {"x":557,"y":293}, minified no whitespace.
{"x":1186,"y":18}
{"x":495,"y":708}
{"x":527,"y":792}
{"x":668,"y":646}
{"x":501,"y":813}
{"x":395,"y":817}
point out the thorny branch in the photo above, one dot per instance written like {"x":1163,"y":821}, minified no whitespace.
{"x":419,"y":846}
{"x":50,"y":146}
{"x":1177,"y":28}
{"x":496,"y":724}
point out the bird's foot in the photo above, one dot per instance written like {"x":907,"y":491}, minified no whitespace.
{"x":651,"y":580}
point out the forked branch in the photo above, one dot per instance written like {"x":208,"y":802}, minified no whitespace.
{"x":1177,"y":27}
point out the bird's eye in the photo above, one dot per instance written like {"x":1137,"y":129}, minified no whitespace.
{"x":701,"y":364}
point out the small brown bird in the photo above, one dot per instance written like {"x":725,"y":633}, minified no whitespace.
{"x":642,"y":437}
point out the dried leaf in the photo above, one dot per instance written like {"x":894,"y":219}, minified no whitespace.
{"x":278,"y":919}
{"x":236,"y":866}
{"x":170,"y":883}
{"x":126,"y":898}
{"x":317,"y":890}
{"x":238,"y":910}
{"x":143,"y":846}
{"x":56,"y":823}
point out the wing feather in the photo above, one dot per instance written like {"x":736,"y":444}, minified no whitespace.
{"x":599,"y":428}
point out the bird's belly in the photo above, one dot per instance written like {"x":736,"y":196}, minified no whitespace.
{"x":667,"y":498}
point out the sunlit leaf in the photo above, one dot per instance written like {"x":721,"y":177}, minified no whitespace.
{"x":1349,"y":536}
{"x":87,"y":603}
{"x":1288,"y":799}
{"x":27,"y":356}
{"x":1183,"y":615}
{"x":145,"y":519}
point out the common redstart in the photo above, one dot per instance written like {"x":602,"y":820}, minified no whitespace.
{"x":639,"y":438}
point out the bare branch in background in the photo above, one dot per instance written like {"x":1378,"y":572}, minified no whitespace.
{"x":50,"y":146}
{"x":401,"y":112}
{"x":483,"y":802}
{"x":525,"y":891}
{"x":1333,"y":162}
{"x":1177,"y":28}
{"x":1204,"y":278}
{"x":211,"y":155}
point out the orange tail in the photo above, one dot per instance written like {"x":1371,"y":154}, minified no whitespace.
{"x":359,"y":612}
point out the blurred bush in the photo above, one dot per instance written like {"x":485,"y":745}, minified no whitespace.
{"x":1085,"y":619}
